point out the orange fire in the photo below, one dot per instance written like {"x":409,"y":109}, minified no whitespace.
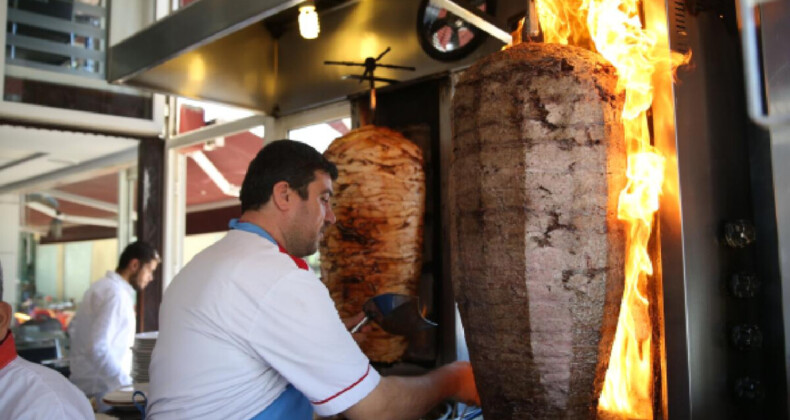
{"x":563,"y":22}
{"x":615,"y":30}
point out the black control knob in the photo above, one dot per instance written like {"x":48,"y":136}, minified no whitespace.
{"x":739,"y":233}
{"x":745,"y":285}
{"x":746,"y":337}
{"x":749,"y":390}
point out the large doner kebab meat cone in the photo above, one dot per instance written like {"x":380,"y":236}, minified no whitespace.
{"x":537,"y":250}
{"x":376,"y":244}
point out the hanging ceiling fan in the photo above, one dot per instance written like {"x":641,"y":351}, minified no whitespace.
{"x":371,"y":64}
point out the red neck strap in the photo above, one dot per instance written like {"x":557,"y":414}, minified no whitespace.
{"x":299,"y":262}
{"x":7,"y":350}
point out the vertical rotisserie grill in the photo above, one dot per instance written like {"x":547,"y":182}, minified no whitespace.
{"x":375,"y":246}
{"x":538,"y":163}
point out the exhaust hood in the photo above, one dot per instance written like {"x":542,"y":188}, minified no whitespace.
{"x":228,"y":52}
{"x":210,"y":49}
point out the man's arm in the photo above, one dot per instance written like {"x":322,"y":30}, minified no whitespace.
{"x":305,"y":341}
{"x":398,"y":397}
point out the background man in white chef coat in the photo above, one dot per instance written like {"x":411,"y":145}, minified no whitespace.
{"x":248,"y":331}
{"x":31,"y":391}
{"x":102,"y":331}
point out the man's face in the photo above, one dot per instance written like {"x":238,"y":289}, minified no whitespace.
{"x":144,"y":274}
{"x":311,"y":217}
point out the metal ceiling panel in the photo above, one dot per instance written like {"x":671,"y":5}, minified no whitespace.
{"x":361,"y":30}
{"x":187,"y":29}
{"x":212,"y":51}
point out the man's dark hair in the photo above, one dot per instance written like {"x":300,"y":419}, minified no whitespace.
{"x":282,"y":160}
{"x":141,"y":251}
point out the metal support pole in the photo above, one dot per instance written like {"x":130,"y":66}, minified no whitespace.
{"x":124,"y":213}
{"x":531,"y":23}
{"x":175,"y":199}
{"x":127,"y":179}
{"x":175,"y":215}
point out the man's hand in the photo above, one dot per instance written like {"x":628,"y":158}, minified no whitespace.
{"x":398,"y":397}
{"x":465,"y":381}
{"x":352,"y":321}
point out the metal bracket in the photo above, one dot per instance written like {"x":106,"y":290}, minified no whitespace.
{"x":755,"y":94}
{"x":455,"y":8}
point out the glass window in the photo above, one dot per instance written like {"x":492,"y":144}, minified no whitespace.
{"x":213,"y":113}
{"x":212,"y":168}
{"x":55,"y":56}
{"x":321,"y":135}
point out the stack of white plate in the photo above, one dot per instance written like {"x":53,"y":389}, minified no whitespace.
{"x":141,"y":355}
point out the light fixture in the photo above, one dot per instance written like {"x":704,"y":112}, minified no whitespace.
{"x":56,"y":226}
{"x":308,"y":21}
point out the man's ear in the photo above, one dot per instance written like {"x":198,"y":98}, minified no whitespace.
{"x":5,"y":318}
{"x":281,"y":195}
{"x":134,"y":265}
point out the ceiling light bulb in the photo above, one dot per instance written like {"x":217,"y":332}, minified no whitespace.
{"x":308,"y":22}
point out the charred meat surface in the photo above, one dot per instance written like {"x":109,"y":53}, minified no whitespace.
{"x":537,"y":250}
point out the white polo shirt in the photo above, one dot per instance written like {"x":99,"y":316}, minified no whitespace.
{"x":238,"y":324}
{"x":32,"y":392}
{"x":102,"y":334}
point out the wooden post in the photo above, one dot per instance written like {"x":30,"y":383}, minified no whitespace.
{"x":150,"y":224}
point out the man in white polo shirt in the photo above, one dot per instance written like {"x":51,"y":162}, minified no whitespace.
{"x":31,"y":391}
{"x":247,"y":331}
{"x":102,"y":331}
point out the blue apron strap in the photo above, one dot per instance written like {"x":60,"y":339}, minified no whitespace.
{"x":252,"y":228}
{"x":290,"y":405}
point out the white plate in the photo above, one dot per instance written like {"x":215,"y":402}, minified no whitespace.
{"x":123,"y":396}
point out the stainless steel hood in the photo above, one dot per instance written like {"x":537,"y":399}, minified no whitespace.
{"x":212,"y":49}
{"x":221,"y":51}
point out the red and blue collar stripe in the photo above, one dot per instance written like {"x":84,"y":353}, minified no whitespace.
{"x":235,"y":224}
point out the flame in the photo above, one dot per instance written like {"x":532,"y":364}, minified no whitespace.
{"x":614,"y":29}
{"x":561,"y":20}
